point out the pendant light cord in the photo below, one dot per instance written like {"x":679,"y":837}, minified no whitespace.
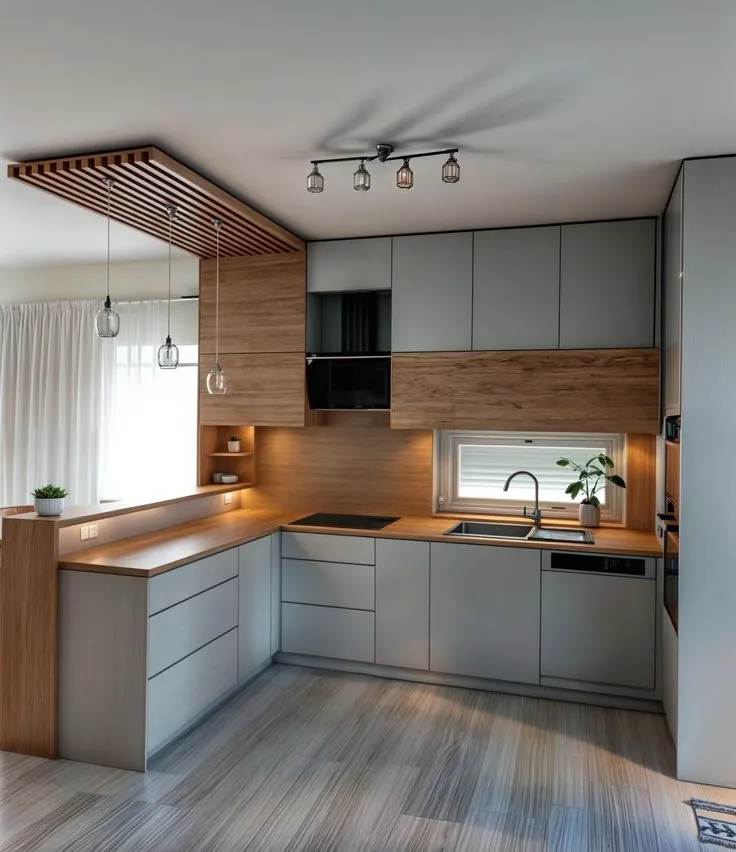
{"x":218,"y":225}
{"x":109,"y":207}
{"x":172,"y":214}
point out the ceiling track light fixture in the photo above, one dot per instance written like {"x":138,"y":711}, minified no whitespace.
{"x":168,"y":353}
{"x":107,"y":319}
{"x":385,"y":153}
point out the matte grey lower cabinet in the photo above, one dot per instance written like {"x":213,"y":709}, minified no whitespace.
{"x":402,"y":603}
{"x":254,"y":607}
{"x":484,"y":611}
{"x":141,"y":660}
{"x":598,"y":629}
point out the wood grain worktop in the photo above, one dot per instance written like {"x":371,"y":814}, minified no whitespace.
{"x":154,"y":553}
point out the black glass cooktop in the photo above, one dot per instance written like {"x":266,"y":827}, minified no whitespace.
{"x":345,"y":522}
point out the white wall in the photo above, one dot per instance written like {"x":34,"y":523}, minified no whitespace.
{"x":129,"y":281}
{"x":706,"y":738}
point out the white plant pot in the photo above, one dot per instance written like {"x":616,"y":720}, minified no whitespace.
{"x":49,"y":507}
{"x":590,"y":515}
{"x":233,"y":446}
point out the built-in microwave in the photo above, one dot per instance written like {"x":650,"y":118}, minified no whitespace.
{"x":336,"y":382}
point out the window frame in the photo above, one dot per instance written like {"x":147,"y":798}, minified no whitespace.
{"x":446,"y":456}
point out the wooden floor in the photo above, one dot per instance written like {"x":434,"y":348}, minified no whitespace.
{"x":307,"y":760}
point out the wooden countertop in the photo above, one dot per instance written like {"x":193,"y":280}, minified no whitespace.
{"x":155,"y":553}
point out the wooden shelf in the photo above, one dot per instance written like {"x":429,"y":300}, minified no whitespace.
{"x":229,"y":455}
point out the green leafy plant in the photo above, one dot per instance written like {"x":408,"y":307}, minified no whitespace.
{"x":591,"y":478}
{"x":50,"y":492}
{"x":234,"y":438}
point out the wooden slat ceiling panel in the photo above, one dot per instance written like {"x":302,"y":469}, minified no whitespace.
{"x":147,"y":181}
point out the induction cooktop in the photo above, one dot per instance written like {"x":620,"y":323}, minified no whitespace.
{"x":345,"y":522}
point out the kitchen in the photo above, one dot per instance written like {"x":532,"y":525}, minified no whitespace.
{"x":396,"y":380}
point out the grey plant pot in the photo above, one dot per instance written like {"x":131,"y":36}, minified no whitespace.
{"x":49,"y":507}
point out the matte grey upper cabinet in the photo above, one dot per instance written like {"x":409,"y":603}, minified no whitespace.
{"x":431,"y":299}
{"x":336,"y":265}
{"x":672,"y":297}
{"x":607,"y":284}
{"x":516,"y":288}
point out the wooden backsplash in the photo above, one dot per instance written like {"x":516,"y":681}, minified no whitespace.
{"x":345,"y":467}
{"x":371,"y":469}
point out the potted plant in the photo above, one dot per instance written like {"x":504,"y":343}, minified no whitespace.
{"x":233,"y":444}
{"x":591,"y":478}
{"x":49,"y":500}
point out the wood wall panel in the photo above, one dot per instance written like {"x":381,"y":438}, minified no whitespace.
{"x":641,"y":463}
{"x":345,"y":468}
{"x":262,"y":304}
{"x":28,"y":637}
{"x":591,"y":390}
{"x":263,"y":390}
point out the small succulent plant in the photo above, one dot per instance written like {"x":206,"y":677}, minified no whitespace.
{"x":50,"y":492}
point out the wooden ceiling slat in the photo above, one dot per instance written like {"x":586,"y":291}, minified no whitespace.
{"x":62,"y":191}
{"x":119,"y":171}
{"x":127,"y":196}
{"x":147,"y":181}
{"x":89,"y":188}
{"x":243,"y":211}
{"x":257,"y":242}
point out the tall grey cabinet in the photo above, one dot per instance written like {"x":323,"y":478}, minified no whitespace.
{"x":432,"y":292}
{"x":706,"y":689}
{"x":672,"y":299}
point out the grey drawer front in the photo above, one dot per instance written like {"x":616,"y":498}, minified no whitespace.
{"x":328,"y":583}
{"x":178,"y":696}
{"x":321,"y":547}
{"x":179,"y":630}
{"x":345,"y":634}
{"x":165,"y":590}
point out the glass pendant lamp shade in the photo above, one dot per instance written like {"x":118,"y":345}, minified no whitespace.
{"x":451,"y":170}
{"x":315,"y":181}
{"x":405,"y":176}
{"x":361,"y":178}
{"x":216,"y":381}
{"x":107,"y":319}
{"x":168,"y":355}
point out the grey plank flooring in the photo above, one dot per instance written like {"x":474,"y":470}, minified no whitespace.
{"x":312,"y":761}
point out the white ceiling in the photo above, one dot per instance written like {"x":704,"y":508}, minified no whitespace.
{"x":576,"y":109}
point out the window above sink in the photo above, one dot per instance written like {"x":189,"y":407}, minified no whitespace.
{"x":470,"y":469}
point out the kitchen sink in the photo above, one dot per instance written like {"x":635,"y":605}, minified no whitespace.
{"x":488,"y":529}
{"x":552,"y":534}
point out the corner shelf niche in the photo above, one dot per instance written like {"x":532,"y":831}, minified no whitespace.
{"x":213,"y":455}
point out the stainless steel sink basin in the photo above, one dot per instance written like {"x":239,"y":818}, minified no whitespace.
{"x":552,"y":534}
{"x":486,"y":529}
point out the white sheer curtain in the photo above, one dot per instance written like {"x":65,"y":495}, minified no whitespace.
{"x":152,"y":430}
{"x":96,"y":416}
{"x":54,"y":400}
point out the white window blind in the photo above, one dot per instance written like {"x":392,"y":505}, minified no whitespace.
{"x":474,"y":466}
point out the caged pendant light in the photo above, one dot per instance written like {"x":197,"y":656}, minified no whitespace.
{"x":216,"y":381}
{"x":168,"y":353}
{"x":107,"y":319}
